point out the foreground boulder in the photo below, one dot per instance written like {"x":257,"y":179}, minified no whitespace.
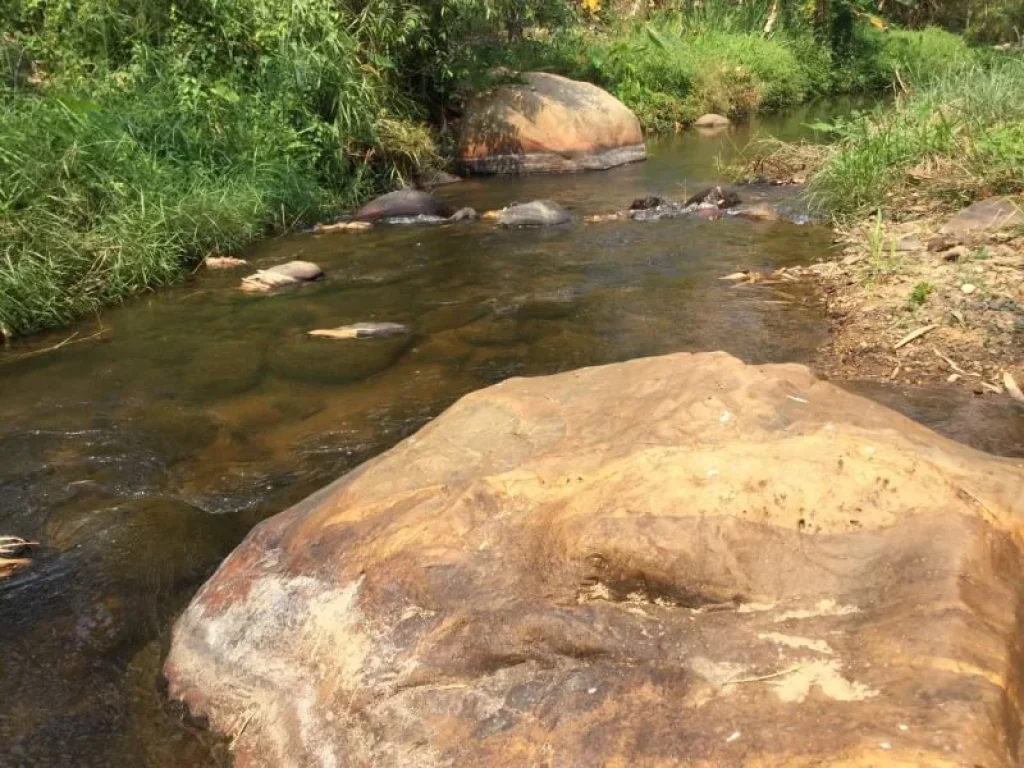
{"x":548,"y":123}
{"x":680,"y":560}
{"x":401,"y":204}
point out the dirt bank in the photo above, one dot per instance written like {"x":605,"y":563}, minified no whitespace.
{"x":935,"y":298}
{"x":963,"y":295}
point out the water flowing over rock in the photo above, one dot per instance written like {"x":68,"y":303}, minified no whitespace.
{"x":548,"y":123}
{"x":680,"y":560}
{"x":403,"y":204}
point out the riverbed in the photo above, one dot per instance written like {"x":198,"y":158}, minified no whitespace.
{"x":138,"y":460}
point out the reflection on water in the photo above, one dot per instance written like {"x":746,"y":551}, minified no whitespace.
{"x":139,"y":462}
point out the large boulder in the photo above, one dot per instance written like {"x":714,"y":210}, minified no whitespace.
{"x":548,"y":123}
{"x":680,"y":560}
{"x":403,"y":203}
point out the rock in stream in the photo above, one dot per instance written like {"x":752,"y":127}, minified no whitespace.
{"x":680,"y":560}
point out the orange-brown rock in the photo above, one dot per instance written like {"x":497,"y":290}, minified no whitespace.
{"x":675,"y":561}
{"x":548,"y":124}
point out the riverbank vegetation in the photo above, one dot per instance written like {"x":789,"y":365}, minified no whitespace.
{"x":135,"y":138}
{"x":947,"y":140}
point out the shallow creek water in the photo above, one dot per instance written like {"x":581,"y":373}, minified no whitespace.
{"x":139,"y":462}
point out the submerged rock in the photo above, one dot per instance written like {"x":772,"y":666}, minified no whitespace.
{"x":539,"y":213}
{"x":403,"y":204}
{"x":548,"y":123}
{"x":649,"y":563}
{"x":362,"y":331}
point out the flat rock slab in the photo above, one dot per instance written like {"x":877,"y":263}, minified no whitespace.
{"x":361,"y":331}
{"x":989,"y":215}
{"x":674,"y":561}
{"x":548,"y":124}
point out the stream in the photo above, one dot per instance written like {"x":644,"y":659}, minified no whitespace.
{"x":139,"y":461}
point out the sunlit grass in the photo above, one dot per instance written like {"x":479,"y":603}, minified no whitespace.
{"x":957,"y":137}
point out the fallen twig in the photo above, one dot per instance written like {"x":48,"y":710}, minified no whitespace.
{"x":762,"y":678}
{"x":948,"y":361}
{"x":915,"y":334}
{"x":1012,"y":387}
{"x":72,"y":339}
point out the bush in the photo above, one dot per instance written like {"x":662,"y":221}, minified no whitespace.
{"x":670,"y":73}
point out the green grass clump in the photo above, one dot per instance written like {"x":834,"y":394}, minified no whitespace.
{"x":957,"y":137}
{"x":920,"y":295}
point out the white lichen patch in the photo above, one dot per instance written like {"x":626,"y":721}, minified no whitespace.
{"x":796,"y":685}
{"x":791,"y":641}
{"x":827,"y":607}
{"x":755,"y":607}
{"x":592,"y":592}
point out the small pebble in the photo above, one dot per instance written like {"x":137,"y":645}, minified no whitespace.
{"x":735,"y":735}
{"x":885,"y":745}
{"x":968,"y":288}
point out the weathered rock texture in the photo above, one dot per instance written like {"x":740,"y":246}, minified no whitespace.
{"x":548,"y":124}
{"x":673,"y":561}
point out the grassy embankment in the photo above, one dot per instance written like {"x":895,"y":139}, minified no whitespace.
{"x":135,"y":138}
{"x":953,"y":138}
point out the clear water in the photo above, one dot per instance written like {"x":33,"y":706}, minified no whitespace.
{"x":140,"y":461}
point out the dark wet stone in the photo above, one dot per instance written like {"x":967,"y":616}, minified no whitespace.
{"x":405,"y":203}
{"x":646,"y":203}
{"x":722,"y":197}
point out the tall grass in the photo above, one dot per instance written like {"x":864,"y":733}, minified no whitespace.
{"x":135,"y":137}
{"x":958,"y":136}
